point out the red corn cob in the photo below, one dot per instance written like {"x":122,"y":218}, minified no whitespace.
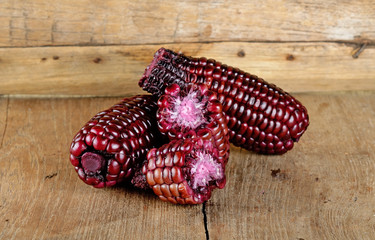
{"x":191,"y":112}
{"x":184,"y":171}
{"x":113,"y":144}
{"x":260,"y":116}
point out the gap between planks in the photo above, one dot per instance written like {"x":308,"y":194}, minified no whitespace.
{"x":356,"y":42}
{"x":207,"y":233}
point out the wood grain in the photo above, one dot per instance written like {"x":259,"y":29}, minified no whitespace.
{"x":115,"y":70}
{"x":322,"y":189}
{"x":67,"y":22}
{"x":41,"y":196}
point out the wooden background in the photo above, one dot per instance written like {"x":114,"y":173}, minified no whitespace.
{"x":102,"y":47}
{"x":58,"y":57}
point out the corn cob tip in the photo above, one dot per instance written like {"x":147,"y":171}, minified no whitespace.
{"x":111,"y":146}
{"x":92,"y":162}
{"x":144,"y":81}
{"x":184,"y":171}
{"x":139,"y":180}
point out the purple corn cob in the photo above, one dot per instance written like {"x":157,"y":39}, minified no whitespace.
{"x":113,"y":144}
{"x":260,"y":116}
{"x":184,"y":171}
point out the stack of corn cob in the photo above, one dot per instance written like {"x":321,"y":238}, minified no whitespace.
{"x":176,"y":141}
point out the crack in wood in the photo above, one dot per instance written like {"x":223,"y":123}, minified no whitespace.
{"x":50,"y":176}
{"x":359,"y":50}
{"x":5,"y":124}
{"x":370,"y":43}
{"x":53,"y":30}
{"x":205,"y":221}
{"x":176,"y":26}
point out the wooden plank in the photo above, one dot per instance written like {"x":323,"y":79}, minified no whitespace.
{"x":322,"y":189}
{"x":41,"y":196}
{"x":67,"y":22}
{"x":115,"y":70}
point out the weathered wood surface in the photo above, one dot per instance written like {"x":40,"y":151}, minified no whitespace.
{"x":40,"y":197}
{"x":115,"y":70}
{"x":67,"y":22}
{"x":322,"y":189}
